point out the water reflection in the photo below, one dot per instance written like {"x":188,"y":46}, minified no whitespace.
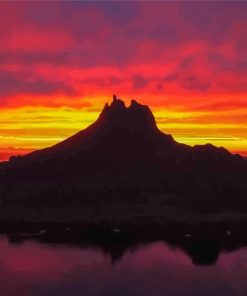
{"x":203,"y":247}
{"x":47,"y":267}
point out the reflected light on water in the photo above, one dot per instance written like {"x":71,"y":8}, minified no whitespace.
{"x":32,"y":268}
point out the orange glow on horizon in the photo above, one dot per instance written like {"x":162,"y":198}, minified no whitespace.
{"x":60,"y":62}
{"x":24,"y":129}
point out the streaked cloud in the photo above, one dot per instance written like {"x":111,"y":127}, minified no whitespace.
{"x":187,"y":60}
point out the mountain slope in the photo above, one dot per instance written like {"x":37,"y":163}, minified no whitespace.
{"x":124,"y":161}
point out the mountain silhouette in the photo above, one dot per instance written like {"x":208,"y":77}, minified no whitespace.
{"x":123,"y":166}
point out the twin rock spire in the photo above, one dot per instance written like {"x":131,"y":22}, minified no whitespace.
{"x":135,"y":117}
{"x":134,"y":104}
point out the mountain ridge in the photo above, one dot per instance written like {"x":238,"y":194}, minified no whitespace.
{"x":124,"y":161}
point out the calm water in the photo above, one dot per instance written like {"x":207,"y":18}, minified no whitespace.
{"x":32,"y":268}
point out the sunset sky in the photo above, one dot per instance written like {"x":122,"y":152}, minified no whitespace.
{"x":61,"y":61}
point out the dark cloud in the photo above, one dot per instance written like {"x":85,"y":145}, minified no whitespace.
{"x":171,"y":77}
{"x":119,"y":13}
{"x":212,"y":19}
{"x":99,"y":82}
{"x":187,"y":62}
{"x":237,"y":68}
{"x":139,"y":82}
{"x":164,"y":32}
{"x":16,"y":83}
{"x":194,"y":84}
{"x":223,"y":64}
{"x":27,"y":57}
{"x":113,"y":80}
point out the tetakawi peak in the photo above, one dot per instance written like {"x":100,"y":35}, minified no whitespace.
{"x":124,"y":160}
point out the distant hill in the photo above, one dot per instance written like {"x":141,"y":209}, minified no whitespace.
{"x":123,"y":166}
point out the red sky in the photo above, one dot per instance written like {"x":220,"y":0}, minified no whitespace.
{"x":61,"y":61}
